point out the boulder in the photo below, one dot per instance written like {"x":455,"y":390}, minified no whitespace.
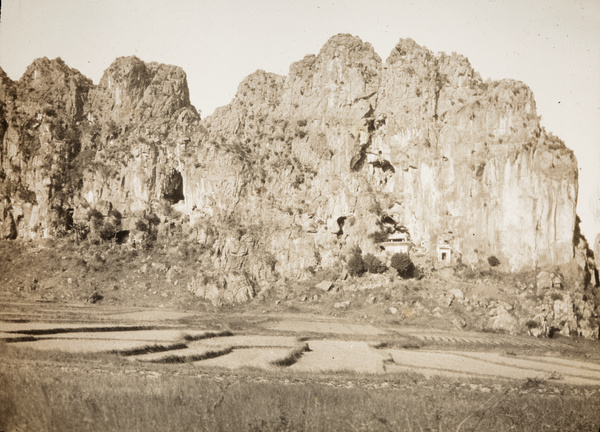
{"x":501,"y":319}
{"x":459,"y":323}
{"x":238,"y":289}
{"x":457,"y":294}
{"x":564,"y":316}
{"x":545,"y":280}
{"x":371,"y":299}
{"x":228,"y":289}
{"x":94,"y":297}
{"x":8,"y":228}
{"x":445,"y":273}
{"x":324,"y":285}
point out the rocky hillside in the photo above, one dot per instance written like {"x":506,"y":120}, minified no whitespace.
{"x":297,"y":171}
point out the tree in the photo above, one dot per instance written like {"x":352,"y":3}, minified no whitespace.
{"x":403,"y":265}
{"x":373,"y":264}
{"x":356,"y":265}
{"x":493,"y":261}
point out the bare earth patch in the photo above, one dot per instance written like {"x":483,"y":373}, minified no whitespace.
{"x":333,"y":355}
{"x":324,"y":327}
{"x":254,"y":341}
{"x":141,"y":335}
{"x":228,"y":350}
{"x":28,"y":326}
{"x":478,"y":364}
{"x":248,"y":357}
{"x":150,"y":315}
{"x":195,"y":350}
{"x":82,"y":345}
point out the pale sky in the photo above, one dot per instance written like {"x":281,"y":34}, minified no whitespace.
{"x":551,"y":45}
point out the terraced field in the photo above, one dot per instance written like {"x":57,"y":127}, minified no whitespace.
{"x":319,"y":345}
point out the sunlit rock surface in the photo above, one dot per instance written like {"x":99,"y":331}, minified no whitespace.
{"x":296,"y":171}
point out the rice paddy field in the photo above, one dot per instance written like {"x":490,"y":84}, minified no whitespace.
{"x":149,"y":370}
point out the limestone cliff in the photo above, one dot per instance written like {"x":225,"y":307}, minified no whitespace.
{"x":136,"y":116}
{"x":39,"y":129}
{"x":296,"y":171}
{"x":419,"y":140}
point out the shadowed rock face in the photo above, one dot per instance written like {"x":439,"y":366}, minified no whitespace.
{"x":418,"y":139}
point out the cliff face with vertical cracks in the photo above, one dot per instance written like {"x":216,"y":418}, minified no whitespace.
{"x":68,"y":146}
{"x":420,"y":139}
{"x":296,"y":171}
{"x":40,"y":118}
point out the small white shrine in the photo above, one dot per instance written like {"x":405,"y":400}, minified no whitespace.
{"x":444,"y":253}
{"x":397,"y":243}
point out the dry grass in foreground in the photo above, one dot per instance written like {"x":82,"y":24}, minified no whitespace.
{"x":69,"y":393}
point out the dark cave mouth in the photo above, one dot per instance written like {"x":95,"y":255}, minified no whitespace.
{"x":173,"y":190}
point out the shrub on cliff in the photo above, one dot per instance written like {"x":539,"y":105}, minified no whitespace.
{"x":141,"y":225}
{"x":94,"y":214}
{"x":104,"y":228}
{"x":373,"y":264}
{"x":108,"y":231}
{"x":493,"y":261}
{"x":379,"y":236}
{"x":148,"y":224}
{"x":403,"y":265}
{"x":356,"y":265}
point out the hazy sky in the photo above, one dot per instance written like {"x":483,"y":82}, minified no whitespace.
{"x":551,"y":45}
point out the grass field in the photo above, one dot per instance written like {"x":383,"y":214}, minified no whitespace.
{"x":52,"y":390}
{"x":55,"y":391}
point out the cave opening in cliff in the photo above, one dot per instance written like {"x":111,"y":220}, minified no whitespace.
{"x":69,"y":223}
{"x":122,"y":237}
{"x":385,"y":219}
{"x":173,"y":190}
{"x":340,"y":221}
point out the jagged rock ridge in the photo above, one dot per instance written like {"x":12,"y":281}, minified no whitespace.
{"x":421,"y":139}
{"x":297,"y":170}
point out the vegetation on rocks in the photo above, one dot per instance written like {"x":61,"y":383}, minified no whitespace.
{"x":279,"y":185}
{"x":356,"y":264}
{"x":493,"y":261}
{"x":374,"y":264}
{"x":403,"y":265}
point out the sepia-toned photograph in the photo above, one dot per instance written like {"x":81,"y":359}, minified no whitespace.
{"x":300,"y":216}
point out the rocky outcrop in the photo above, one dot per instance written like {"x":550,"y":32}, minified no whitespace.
{"x":420,"y":139}
{"x":40,"y":138}
{"x":140,"y":116}
{"x":296,"y":171}
{"x":597,"y":251}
